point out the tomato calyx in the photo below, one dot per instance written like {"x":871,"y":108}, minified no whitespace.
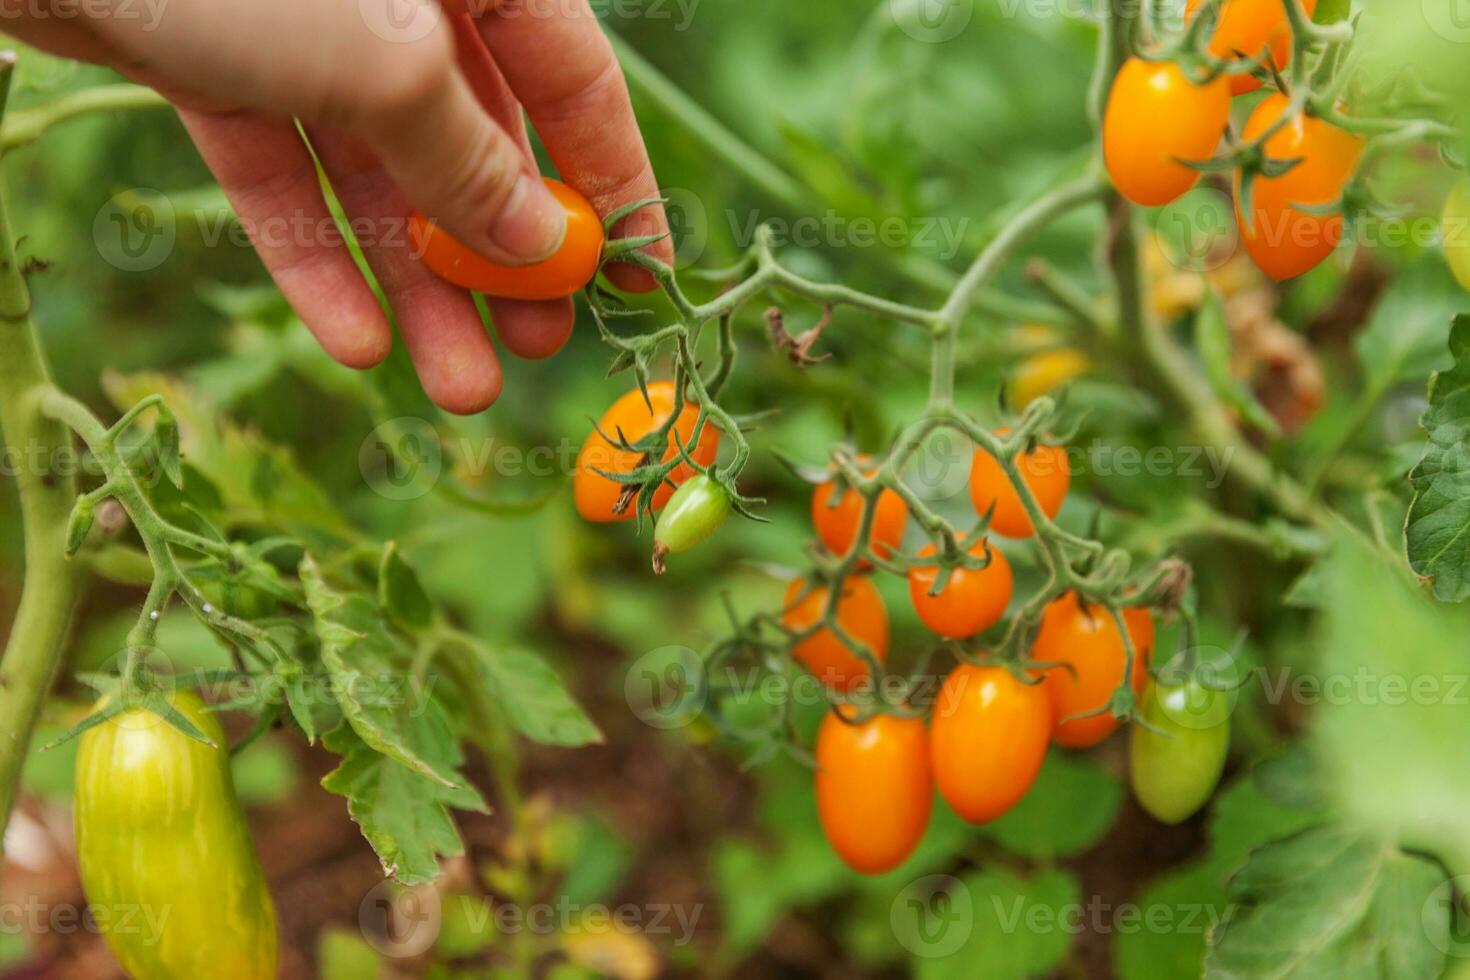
{"x":123,"y":694}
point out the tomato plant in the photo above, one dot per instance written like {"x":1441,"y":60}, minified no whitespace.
{"x":159,"y":830}
{"x":570,"y":269}
{"x":972,"y":601}
{"x":1249,"y":447}
{"x":874,"y":792}
{"x":1087,"y":649}
{"x":1284,"y":240}
{"x":1178,"y":753}
{"x":1157,"y":121}
{"x":987,"y":740}
{"x":607,"y":450}
{"x":1044,"y":469}
{"x":860,"y":614}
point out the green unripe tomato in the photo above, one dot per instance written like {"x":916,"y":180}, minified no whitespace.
{"x":1173,"y":774}
{"x":694,"y":512}
{"x":165,"y":855}
{"x":1456,"y":228}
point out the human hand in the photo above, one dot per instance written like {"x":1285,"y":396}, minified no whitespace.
{"x":426,"y":111}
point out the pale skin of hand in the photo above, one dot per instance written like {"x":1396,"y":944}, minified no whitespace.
{"x":430,"y":116}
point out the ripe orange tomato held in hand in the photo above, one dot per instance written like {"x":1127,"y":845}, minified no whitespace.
{"x":1087,"y":640}
{"x":1245,"y":28}
{"x":987,"y":739}
{"x":874,"y":792}
{"x":597,"y":496}
{"x":1044,"y":469}
{"x":1155,"y":118}
{"x":837,"y":521}
{"x":860,"y":613}
{"x":973,"y":600}
{"x":1284,"y":241}
{"x":564,"y":273}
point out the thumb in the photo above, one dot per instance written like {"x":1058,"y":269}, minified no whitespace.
{"x":454,"y":162}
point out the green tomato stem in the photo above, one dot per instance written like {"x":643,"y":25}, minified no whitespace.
{"x":47,"y":495}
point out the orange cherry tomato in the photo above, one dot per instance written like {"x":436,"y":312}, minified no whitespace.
{"x":973,"y":600}
{"x":566,"y":272}
{"x":837,"y":522}
{"x":1156,"y":117}
{"x":1284,"y":241}
{"x":596,"y":495}
{"x":861,"y":614}
{"x":874,"y":793}
{"x":1045,"y":470}
{"x":1245,"y":28}
{"x":1087,"y":639}
{"x":987,"y":739}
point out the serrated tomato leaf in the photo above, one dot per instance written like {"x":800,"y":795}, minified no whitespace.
{"x":404,"y":815}
{"x":400,"y":593}
{"x":371,"y":682}
{"x":1438,"y":528}
{"x":1330,"y":902}
{"x":533,"y":698}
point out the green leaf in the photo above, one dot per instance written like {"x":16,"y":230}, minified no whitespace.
{"x":1212,"y":338}
{"x":344,"y":955}
{"x":1333,"y":11}
{"x":1438,"y":528}
{"x":401,"y":594}
{"x":1306,"y":591}
{"x":405,"y":816}
{"x":1290,"y":777}
{"x":1070,"y":807}
{"x":1190,"y":900}
{"x":533,"y":699}
{"x":1330,"y":902}
{"x":1391,"y":750}
{"x":1404,"y":339}
{"x":372,"y":683}
{"x":1012,"y":927}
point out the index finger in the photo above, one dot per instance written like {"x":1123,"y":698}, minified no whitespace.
{"x":562,"y":68}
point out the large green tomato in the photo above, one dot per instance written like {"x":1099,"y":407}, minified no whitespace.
{"x":1457,"y":232}
{"x":1174,"y":773}
{"x":166,"y":858}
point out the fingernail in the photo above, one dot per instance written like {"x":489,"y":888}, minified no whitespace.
{"x":533,"y":223}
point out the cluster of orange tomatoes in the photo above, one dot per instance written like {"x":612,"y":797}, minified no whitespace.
{"x":1159,"y":120}
{"x":990,"y":726}
{"x":987,"y":735}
